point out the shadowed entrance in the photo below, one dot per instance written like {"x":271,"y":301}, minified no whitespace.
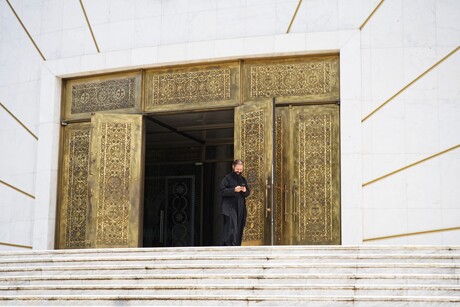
{"x":186,"y":155}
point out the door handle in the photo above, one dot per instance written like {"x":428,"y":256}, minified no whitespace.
{"x":267,"y":187}
{"x":285,"y":196}
{"x":294,"y":200}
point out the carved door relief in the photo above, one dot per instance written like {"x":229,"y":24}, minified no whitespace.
{"x":254,"y":145}
{"x":308,"y":181}
{"x":73,"y":211}
{"x":115,"y":181}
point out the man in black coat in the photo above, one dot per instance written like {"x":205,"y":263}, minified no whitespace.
{"x":234,"y":189}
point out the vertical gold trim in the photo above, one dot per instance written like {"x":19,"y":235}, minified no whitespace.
{"x":411,"y":234}
{"x":410,"y":165}
{"x":372,"y":14}
{"x":25,"y":29}
{"x":16,"y":189}
{"x":410,"y":83}
{"x":23,"y":126}
{"x":89,"y":26}
{"x":15,"y":245}
{"x":293,"y":17}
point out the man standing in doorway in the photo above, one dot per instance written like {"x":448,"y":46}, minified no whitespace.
{"x":234,"y":189}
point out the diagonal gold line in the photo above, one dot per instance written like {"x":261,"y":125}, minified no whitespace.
{"x":410,"y":83}
{"x":293,"y":17}
{"x":411,"y":234}
{"x":16,"y":189}
{"x":27,"y":32}
{"x":372,"y":14}
{"x":15,"y":245}
{"x":410,"y":165}
{"x":24,"y":126}
{"x":89,"y":26}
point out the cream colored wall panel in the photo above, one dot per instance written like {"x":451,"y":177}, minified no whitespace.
{"x":231,"y":22}
{"x":352,"y":13}
{"x":290,"y":42}
{"x":387,"y":73}
{"x":451,"y":237}
{"x":449,"y":119}
{"x":386,"y":26}
{"x":447,"y":23}
{"x":416,"y":61}
{"x":201,"y":26}
{"x":16,"y":211}
{"x":422,"y":126}
{"x":229,"y":47}
{"x":448,"y":74}
{"x":424,"y":187}
{"x":174,"y":28}
{"x":419,"y":20}
{"x":145,"y":34}
{"x":261,"y":19}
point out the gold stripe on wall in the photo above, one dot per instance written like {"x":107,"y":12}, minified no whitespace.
{"x":25,"y":29}
{"x":15,"y":118}
{"x":410,"y":165}
{"x":410,"y":83}
{"x":411,"y":234}
{"x":372,"y":14}
{"x":16,"y":189}
{"x":293,"y":17}
{"x":89,"y":26}
{"x":16,"y":245}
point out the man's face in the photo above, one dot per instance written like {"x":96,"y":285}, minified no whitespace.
{"x":238,"y":169}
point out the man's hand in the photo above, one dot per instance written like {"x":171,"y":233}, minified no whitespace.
{"x":240,"y":189}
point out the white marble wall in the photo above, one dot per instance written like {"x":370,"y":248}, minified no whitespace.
{"x":20,"y":66}
{"x":401,"y":40}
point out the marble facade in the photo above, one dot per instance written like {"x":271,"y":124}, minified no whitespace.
{"x":399,"y":43}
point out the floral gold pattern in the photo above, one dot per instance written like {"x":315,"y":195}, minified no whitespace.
{"x":253,"y":136}
{"x":190,"y":87}
{"x":76,"y":189}
{"x":103,"y":95}
{"x":315,"y":177}
{"x":114,"y":184}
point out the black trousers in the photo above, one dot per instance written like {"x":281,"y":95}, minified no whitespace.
{"x":234,"y":225}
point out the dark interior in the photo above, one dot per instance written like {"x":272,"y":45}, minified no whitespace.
{"x":186,"y":156}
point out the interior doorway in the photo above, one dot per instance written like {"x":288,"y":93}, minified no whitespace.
{"x":186,"y":155}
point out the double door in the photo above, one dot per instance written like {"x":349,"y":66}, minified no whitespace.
{"x":291,"y":159}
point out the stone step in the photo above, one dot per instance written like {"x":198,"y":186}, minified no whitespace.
{"x":237,"y":267}
{"x":229,"y":258}
{"x":232,"y":289}
{"x":226,"y":277}
{"x":227,"y":300}
{"x":243,"y":250}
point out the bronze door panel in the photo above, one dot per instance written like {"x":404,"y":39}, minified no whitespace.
{"x":192,"y":88}
{"x":254,"y":145}
{"x":117,"y":93}
{"x":312,"y":79}
{"x":316,"y":175}
{"x":73,"y":198}
{"x":115,"y":180}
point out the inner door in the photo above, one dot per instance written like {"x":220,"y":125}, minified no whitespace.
{"x":115,"y":181}
{"x":254,"y":145}
{"x":307,"y":188}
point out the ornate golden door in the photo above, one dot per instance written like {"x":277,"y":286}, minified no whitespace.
{"x":73,"y":209}
{"x":115,"y":181}
{"x":100,"y":203}
{"x":254,"y":145}
{"x":307,"y":158}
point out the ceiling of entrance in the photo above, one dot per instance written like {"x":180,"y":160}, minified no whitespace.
{"x":189,"y":129}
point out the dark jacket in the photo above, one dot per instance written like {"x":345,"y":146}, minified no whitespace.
{"x":230,"y":198}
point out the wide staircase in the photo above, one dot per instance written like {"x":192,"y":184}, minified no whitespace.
{"x":240,"y":276}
